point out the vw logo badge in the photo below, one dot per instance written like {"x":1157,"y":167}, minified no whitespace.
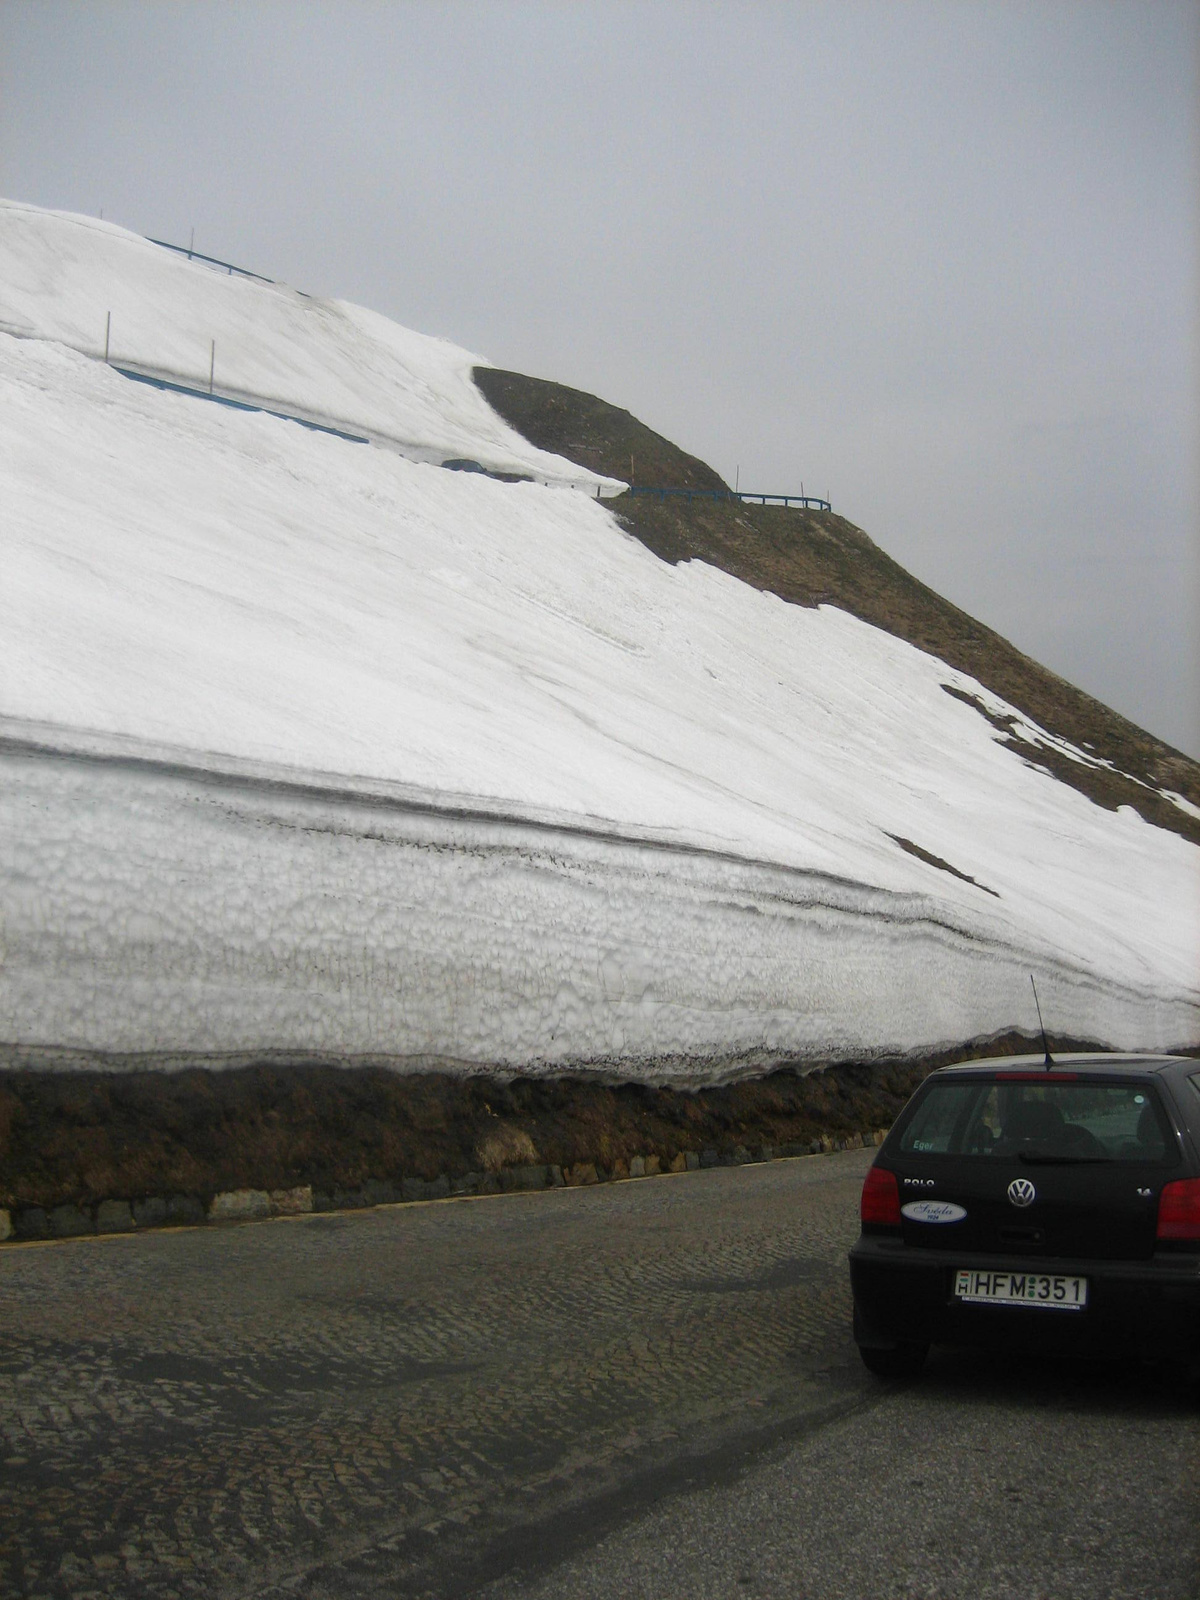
{"x":1021,"y":1192}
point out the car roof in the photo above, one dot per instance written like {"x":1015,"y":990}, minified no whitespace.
{"x":1088,"y":1060}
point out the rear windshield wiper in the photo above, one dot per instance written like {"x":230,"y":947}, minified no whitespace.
{"x":1064,"y":1161}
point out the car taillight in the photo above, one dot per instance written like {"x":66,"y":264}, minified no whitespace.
{"x":1179,"y":1210}
{"x":881,"y":1197}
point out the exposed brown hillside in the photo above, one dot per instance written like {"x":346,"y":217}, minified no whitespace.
{"x":811,"y":558}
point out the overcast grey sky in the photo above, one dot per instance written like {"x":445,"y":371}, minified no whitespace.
{"x":936,"y":260}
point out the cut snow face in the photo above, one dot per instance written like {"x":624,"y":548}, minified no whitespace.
{"x":449,"y":768}
{"x":91,"y":285}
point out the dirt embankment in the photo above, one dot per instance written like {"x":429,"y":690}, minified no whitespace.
{"x":360,"y":1134}
{"x":812,"y":558}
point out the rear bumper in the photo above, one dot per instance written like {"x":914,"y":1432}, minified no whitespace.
{"x":1148,"y":1308}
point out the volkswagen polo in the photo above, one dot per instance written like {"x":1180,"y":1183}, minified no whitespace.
{"x":1032,"y":1203}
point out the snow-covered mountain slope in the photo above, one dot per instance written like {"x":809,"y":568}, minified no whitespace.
{"x":82,"y":282}
{"x":314,"y":748}
{"x":813,"y":557}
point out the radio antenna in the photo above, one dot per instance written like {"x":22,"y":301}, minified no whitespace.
{"x":1049,"y":1062}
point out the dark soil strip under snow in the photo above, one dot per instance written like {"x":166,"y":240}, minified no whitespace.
{"x":366,"y":1135}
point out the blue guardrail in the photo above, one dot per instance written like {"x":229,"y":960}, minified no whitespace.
{"x":808,"y":501}
{"x":236,"y":405}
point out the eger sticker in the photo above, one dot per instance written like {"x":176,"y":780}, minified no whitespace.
{"x":933,"y":1211}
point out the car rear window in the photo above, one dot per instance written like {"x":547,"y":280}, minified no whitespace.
{"x":982,"y":1117}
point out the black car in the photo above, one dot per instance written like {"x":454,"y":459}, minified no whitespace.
{"x":1046,"y":1206}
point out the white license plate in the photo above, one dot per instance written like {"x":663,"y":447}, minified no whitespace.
{"x":1049,"y":1289}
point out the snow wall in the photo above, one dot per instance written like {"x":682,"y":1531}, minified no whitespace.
{"x":166,"y":916}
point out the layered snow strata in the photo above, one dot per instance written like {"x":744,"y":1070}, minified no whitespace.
{"x":171,"y":916}
{"x":343,"y":753}
{"x":92,"y":286}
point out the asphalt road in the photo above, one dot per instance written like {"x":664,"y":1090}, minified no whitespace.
{"x":986,"y":1481}
{"x":646,"y":1388}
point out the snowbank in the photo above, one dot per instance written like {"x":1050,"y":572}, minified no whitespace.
{"x":318,"y":748}
{"x":160,"y":911}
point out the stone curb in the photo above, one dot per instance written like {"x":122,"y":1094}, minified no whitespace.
{"x":27,"y":1224}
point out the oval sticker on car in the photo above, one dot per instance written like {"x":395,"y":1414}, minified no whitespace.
{"x":933,"y":1211}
